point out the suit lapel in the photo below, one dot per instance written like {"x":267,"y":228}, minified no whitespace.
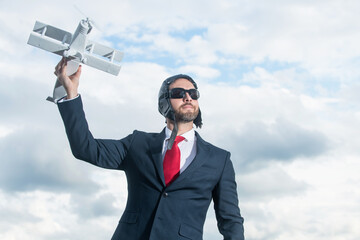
{"x":202,"y":153}
{"x":156,"y":153}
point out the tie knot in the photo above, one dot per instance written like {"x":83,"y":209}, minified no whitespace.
{"x":178,"y":139}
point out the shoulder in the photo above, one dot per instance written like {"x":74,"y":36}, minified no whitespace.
{"x":212,"y":148}
{"x":147,"y":135}
{"x":140,"y":141}
{"x":216,"y":157}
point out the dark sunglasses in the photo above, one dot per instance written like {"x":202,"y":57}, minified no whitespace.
{"x":181,"y":93}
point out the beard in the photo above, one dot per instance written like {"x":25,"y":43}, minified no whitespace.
{"x":187,"y":116}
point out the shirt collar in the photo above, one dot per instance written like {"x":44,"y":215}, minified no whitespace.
{"x":189,"y":135}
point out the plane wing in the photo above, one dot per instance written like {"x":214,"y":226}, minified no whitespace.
{"x":49,"y":38}
{"x":104,"y":58}
{"x":104,"y":51}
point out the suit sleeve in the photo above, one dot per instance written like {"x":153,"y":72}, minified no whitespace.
{"x":100,"y":152}
{"x":230,"y":222}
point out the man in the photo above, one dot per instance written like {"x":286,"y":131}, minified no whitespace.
{"x":172,"y":176}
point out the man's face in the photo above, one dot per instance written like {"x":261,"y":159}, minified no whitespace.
{"x":186,"y":109}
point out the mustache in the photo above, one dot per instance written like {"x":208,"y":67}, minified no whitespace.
{"x":187,"y":104}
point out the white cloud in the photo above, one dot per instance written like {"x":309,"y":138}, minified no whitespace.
{"x":200,"y":72}
{"x":5,"y":130}
{"x":269,"y":183}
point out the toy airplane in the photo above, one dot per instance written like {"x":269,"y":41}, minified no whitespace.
{"x":76,"y":48}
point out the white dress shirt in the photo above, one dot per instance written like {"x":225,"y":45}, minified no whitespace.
{"x":187,"y":148}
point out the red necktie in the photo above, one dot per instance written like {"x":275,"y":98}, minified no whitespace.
{"x":171,"y":162}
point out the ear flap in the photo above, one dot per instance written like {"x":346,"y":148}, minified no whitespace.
{"x":198,"y":120}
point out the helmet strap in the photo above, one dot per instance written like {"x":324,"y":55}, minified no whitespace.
{"x":173,"y":135}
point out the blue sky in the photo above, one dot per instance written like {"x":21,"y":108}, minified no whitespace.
{"x":279,"y":83}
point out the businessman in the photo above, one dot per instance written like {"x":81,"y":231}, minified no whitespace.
{"x":172,"y":176}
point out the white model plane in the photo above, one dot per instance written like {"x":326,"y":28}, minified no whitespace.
{"x":76,"y":48}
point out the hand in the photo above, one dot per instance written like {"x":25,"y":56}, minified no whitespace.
{"x":70,"y":83}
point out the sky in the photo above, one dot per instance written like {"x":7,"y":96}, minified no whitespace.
{"x":279,"y":83}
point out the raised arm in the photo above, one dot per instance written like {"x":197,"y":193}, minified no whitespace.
{"x":100,"y":152}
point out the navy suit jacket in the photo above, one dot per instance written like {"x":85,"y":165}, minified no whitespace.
{"x":154,"y":211}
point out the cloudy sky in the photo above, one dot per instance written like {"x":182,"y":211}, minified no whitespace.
{"x":279,"y":83}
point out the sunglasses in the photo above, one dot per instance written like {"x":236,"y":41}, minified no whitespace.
{"x":181,"y":93}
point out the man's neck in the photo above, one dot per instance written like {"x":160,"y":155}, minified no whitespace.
{"x":182,"y":127}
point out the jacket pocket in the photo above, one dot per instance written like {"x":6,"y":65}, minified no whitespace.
{"x":190,"y":232}
{"x":129,"y":217}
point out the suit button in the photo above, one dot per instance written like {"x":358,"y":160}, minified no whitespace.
{"x":165,"y":194}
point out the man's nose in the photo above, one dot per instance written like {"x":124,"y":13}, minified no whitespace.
{"x":187,"y":97}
